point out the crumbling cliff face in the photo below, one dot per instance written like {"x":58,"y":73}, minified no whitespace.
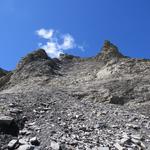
{"x":97,"y":103}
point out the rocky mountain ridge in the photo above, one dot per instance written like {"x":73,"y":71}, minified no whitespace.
{"x":97,"y":103}
{"x":3,"y":72}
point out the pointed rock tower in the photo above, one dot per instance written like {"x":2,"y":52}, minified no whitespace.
{"x":109,"y":52}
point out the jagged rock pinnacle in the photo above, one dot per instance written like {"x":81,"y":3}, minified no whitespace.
{"x":35,"y":64}
{"x":108,"y":52}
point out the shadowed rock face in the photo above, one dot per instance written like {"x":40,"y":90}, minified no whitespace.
{"x":80,"y":103}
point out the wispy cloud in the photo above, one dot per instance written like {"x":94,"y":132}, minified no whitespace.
{"x":57,"y":43}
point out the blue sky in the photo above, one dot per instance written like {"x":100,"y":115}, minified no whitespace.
{"x":86,"y":23}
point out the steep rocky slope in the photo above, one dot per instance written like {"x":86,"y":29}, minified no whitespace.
{"x":97,"y":103}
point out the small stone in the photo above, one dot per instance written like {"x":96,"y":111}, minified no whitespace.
{"x":100,"y":125}
{"x":16,"y":111}
{"x":31,"y":124}
{"x":116,"y":100}
{"x":34,"y":111}
{"x":130,"y":148}
{"x":118,"y":146}
{"x":148,"y":148}
{"x":55,"y":145}
{"x":34,"y":141}
{"x":53,"y":132}
{"x":133,"y":119}
{"x":136,"y":127}
{"x":12,"y":144}
{"x":115,"y":126}
{"x":26,"y":147}
{"x":59,"y":119}
{"x":83,"y":129}
{"x":103,"y":148}
{"x":12,"y":105}
{"x":125,"y":135}
{"x":104,"y":112}
{"x":124,"y":140}
{"x":25,"y":132}
{"x":94,"y":148}
{"x":23,"y":141}
{"x":63,"y":147}
{"x":6,"y":120}
{"x":24,"y":118}
{"x":138,"y":137}
{"x":142,"y":145}
{"x":46,"y":109}
{"x":135,"y":141}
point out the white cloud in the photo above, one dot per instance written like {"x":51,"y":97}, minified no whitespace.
{"x":46,"y":34}
{"x":68,"y":42}
{"x":56,"y":43}
{"x":52,"y":49}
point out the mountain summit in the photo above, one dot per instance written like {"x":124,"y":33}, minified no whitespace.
{"x":39,"y":54}
{"x":101,"y":102}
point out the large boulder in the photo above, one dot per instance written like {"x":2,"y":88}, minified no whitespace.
{"x":8,"y":125}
